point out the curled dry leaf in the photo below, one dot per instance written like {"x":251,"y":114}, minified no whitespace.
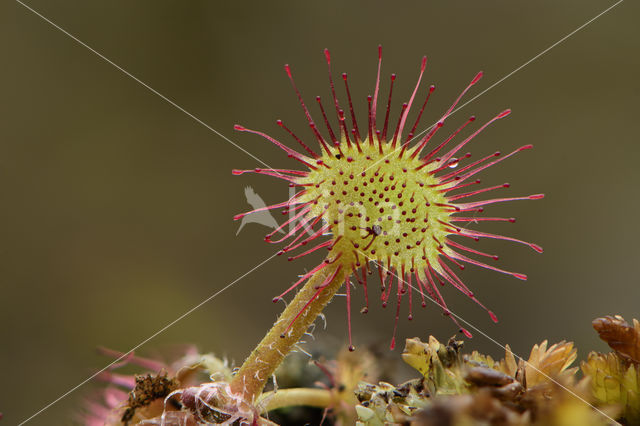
{"x":621,"y":336}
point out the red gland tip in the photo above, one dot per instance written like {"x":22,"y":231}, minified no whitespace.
{"x":477,"y":77}
{"x":466,"y":333}
{"x":392,"y":346}
{"x":522,"y":148}
{"x":239,"y":128}
{"x":327,"y":55}
{"x":275,"y":299}
{"x":504,"y":113}
{"x":536,"y":196}
{"x":472,"y":118}
{"x":512,"y":219}
{"x":506,"y":185}
{"x":493,"y":316}
{"x":537,"y":248}
{"x":424,"y":64}
{"x":352,"y":348}
{"x":379,"y":51}
{"x":237,"y":172}
{"x":522,"y":277}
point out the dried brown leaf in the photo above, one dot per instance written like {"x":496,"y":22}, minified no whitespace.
{"x":621,"y":336}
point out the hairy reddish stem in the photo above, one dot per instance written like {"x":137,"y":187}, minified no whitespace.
{"x":271,"y":351}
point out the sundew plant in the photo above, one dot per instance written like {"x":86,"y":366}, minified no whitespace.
{"x":391,"y":208}
{"x":375,"y":197}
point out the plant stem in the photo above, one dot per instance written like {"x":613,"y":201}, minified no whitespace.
{"x":271,"y":351}
{"x":320,"y":398}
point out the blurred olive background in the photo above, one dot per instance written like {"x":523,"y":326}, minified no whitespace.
{"x":117,"y":207}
